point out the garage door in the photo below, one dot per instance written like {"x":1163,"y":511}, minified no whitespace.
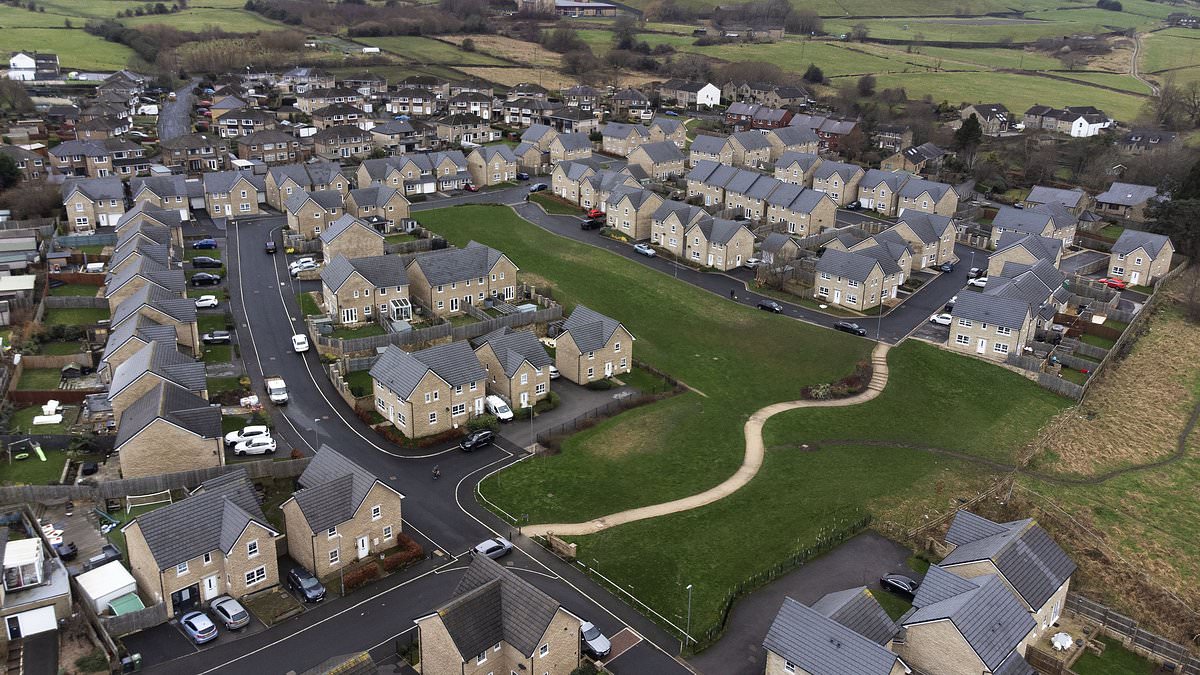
{"x":31,"y":622}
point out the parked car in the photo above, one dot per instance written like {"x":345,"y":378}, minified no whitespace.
{"x":521,"y":175}
{"x":495,"y":548}
{"x":205,"y":279}
{"x":594,"y":642}
{"x":496,"y":406}
{"x":205,"y":262}
{"x":537,"y":187}
{"x":217,"y":337}
{"x":591,"y":224}
{"x":853,"y":206}
{"x":671,"y":113}
{"x":208,"y":242}
{"x":946,"y":267}
{"x":230,"y":612}
{"x":899,"y":584}
{"x":645,"y":249}
{"x":300,"y":262}
{"x":950,"y":304}
{"x":271,"y":248}
{"x":306,"y":267}
{"x":259,"y":445}
{"x":554,"y":374}
{"x":198,"y":627}
{"x":753,"y":263}
{"x":850,"y":327}
{"x":770,"y":306}
{"x":976,"y":272}
{"x":1114,"y":283}
{"x":207,"y":302}
{"x":595,"y":213}
{"x":300,"y":343}
{"x":471,"y":187}
{"x":246,"y":433}
{"x":303,"y":582}
{"x":979,"y":282}
{"x":940,"y":319}
{"x":480,"y":438}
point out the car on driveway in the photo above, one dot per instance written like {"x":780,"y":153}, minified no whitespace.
{"x":198,"y":627}
{"x":207,"y":242}
{"x":205,"y":279}
{"x":259,"y":445}
{"x":752,"y":263}
{"x":946,"y":267}
{"x":300,"y":262}
{"x":853,"y":206}
{"x":246,"y":433}
{"x":230,"y":612}
{"x":496,"y":406}
{"x":537,"y":187}
{"x":494,"y":548}
{"x":521,"y":175}
{"x":207,"y":301}
{"x":976,"y":272}
{"x":899,"y":584}
{"x":594,"y":642}
{"x":479,"y":438}
{"x":645,"y":249}
{"x":591,"y":224}
{"x":595,"y":213}
{"x":306,"y":266}
{"x":217,"y":337}
{"x":471,"y":187}
{"x":770,"y":306}
{"x":979,"y":282}
{"x":941,"y":319}
{"x":1114,"y":283}
{"x":554,"y":374}
{"x":303,"y":582}
{"x":300,"y":343}
{"x":850,"y":327}
{"x":205,"y":262}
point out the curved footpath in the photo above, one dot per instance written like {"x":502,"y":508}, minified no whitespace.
{"x":750,"y":464}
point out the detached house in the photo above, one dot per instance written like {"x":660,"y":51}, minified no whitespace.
{"x":348,"y":236}
{"x":31,"y":165}
{"x":714,"y":242}
{"x":337,"y":114}
{"x":843,"y":632}
{"x":592,"y":347}
{"x":282,"y":182}
{"x":539,"y":135}
{"x":232,"y":194}
{"x":930,"y":236}
{"x":272,"y":147}
{"x":492,"y":165}
{"x":383,"y":207}
{"x":566,"y":178}
{"x":1076,"y":201}
{"x":838,"y":180}
{"x":880,"y":190}
{"x":792,"y":139}
{"x":915,"y":159}
{"x":710,"y":148}
{"x":215,"y":542}
{"x":342,"y":141}
{"x":93,"y":202}
{"x":163,"y":192}
{"x":1045,"y":220}
{"x":750,"y":149}
{"x":169,"y":429}
{"x":310,"y":213}
{"x":526,"y":631}
{"x":430,"y":391}
{"x":1140,"y":258}
{"x":1023,"y":249}
{"x":342,"y":513}
{"x":660,"y":160}
{"x":856,"y":279}
{"x":564,"y":148}
{"x":926,"y":196}
{"x":994,"y":118}
{"x":670,"y":220}
{"x":668,"y":129}
{"x":444,"y":281}
{"x":797,"y":167}
{"x":621,"y":139}
{"x":1126,"y":200}
{"x":517,"y":365}
{"x":631,"y":210}
{"x":194,"y":153}
{"x":363,"y":290}
{"x":1007,"y":314}
{"x":594,"y":190}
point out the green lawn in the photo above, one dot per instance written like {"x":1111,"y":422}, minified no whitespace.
{"x":199,"y":18}
{"x":83,"y":316}
{"x":1115,"y":80}
{"x":554,"y":204}
{"x":190,"y":253}
{"x":308,"y":305}
{"x":367,"y":330}
{"x":82,"y":290}
{"x":360,"y":380}
{"x":645,"y":381}
{"x":39,"y":379}
{"x":1116,"y":660}
{"x":207,"y":323}
{"x":75,"y":48}
{"x":893,"y":604}
{"x":1172,"y":48}
{"x":1097,"y":341}
{"x":218,"y":354}
{"x":33,"y":471}
{"x":23,"y":420}
{"x":220,"y":385}
{"x":399,"y":238}
{"x":427,"y":50}
{"x":60,"y":348}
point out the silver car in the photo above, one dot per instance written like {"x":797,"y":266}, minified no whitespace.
{"x":594,"y":642}
{"x":494,"y":548}
{"x":230,"y":612}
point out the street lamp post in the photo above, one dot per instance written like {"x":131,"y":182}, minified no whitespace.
{"x":316,"y":434}
{"x":688,"y":636}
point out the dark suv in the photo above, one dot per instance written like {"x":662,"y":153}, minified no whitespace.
{"x":303,"y":582}
{"x":477,"y":439}
{"x":591,"y":224}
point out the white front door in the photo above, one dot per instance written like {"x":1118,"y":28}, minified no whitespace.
{"x":210,"y":587}
{"x":524,"y":399}
{"x":364,"y":547}
{"x":608,"y":369}
{"x":710,"y":260}
{"x":479,"y":406}
{"x":981,"y":347}
{"x":837,"y":296}
{"x":1134,"y":277}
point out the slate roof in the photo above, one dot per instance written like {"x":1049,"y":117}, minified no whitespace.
{"x":1131,"y":240}
{"x":1023,"y":552}
{"x":145,"y":210}
{"x":790,"y":136}
{"x":175,"y":405}
{"x":489,"y":152}
{"x":774,"y":242}
{"x":332,"y":488}
{"x":180,"y":309}
{"x":928,"y":226}
{"x":150,"y":269}
{"x":381,"y":271}
{"x":720,"y":175}
{"x":514,"y":347}
{"x":1127,"y":194}
{"x":708,"y":145}
{"x":804,"y":202}
{"x":992,"y":309}
{"x":988,"y":616}
{"x":148,"y":250}
{"x":720,"y":230}
{"x":805,"y":159}
{"x":340,"y":226}
{"x":108,"y":187}
{"x":845,"y":171}
{"x":457,"y":264}
{"x":1015,"y":664}
{"x":590,"y":329}
{"x":222,"y":182}
{"x":752,"y":140}
{"x":873,"y":178}
{"x":1028,"y":221}
{"x":573,"y":142}
{"x":621,"y":130}
{"x":453,"y":362}
{"x":885,"y":254}
{"x":917,"y":186}
{"x":938,"y":585}
{"x":535,"y":133}
{"x":375,"y":195}
{"x":163,"y":359}
{"x":855,"y":266}
{"x":144,"y":329}
{"x":326,"y":199}
{"x":492,"y":604}
{"x":858,"y":610}
{"x":687,"y":213}
{"x":1043,"y":248}
{"x":212,"y":518}
{"x":162,"y":186}
{"x":1040,"y":194}
{"x":923,"y":153}
{"x":822,"y":646}
{"x":638,"y":197}
{"x":667,"y":125}
{"x":661,"y":152}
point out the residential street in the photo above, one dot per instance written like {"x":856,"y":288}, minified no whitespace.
{"x":175,"y":117}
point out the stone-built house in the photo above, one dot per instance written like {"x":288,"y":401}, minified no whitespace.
{"x":631,"y":103}
{"x":751,"y":149}
{"x":718,"y":243}
{"x":660,"y":160}
{"x":232,"y":194}
{"x":154,"y":363}
{"x":710,"y":148}
{"x":142,"y":271}
{"x":31,"y":165}
{"x":243,"y":122}
{"x":843,"y":632}
{"x":282,"y":182}
{"x":194,"y":153}
{"x":539,"y":136}
{"x":417,"y":173}
{"x":81,"y":159}
{"x":668,"y":129}
{"x":893,"y":137}
{"x":446,"y":281}
{"x":472,"y":103}
{"x":880,"y":190}
{"x":362,"y":290}
{"x":792,"y":139}
{"x":1140,"y":258}
{"x":707,"y":181}
{"x":133,"y":254}
{"x":1008,"y":313}
{"x":800,"y":212}
{"x":778,"y":248}
{"x":272,"y":147}
{"x":517,"y":365}
{"x":492,"y":165}
{"x":671,"y":220}
{"x":572,"y":120}
{"x":1127,"y":200}
{"x":337,"y":114}
{"x":397,"y":137}
{"x":888,"y":248}
{"x":855,"y":279}
{"x":930,"y":236}
{"x":126,"y":339}
{"x":595,"y":189}
{"x":350,"y":237}
{"x":1045,"y":220}
{"x":1023,"y":249}
{"x":747,"y":194}
{"x":926,"y":196}
{"x":630,"y":211}
{"x":169,"y":429}
{"x":838,"y":180}
{"x":342,"y":141}
{"x":341,"y":514}
{"x":161,"y":306}
{"x":1141,"y":140}
{"x":689,"y":94}
{"x":146,"y":232}
{"x":797,"y":167}
{"x":592,"y":347}
{"x":214,"y":542}
{"x":310,"y":213}
{"x":1075,"y":200}
{"x":464,"y":128}
{"x":915,"y":159}
{"x":532,"y":160}
{"x":430,"y":391}
{"x":564,"y":148}
{"x":567,"y":177}
{"x":527,"y":631}
{"x":93,"y":202}
{"x":993,"y":118}
{"x":383,"y":207}
{"x":163,"y":192}
{"x":143,"y":215}
{"x":414,"y":101}
{"x":315,"y":99}
{"x":621,"y":139}
{"x":582,"y":96}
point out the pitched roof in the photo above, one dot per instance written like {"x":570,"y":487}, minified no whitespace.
{"x":938,"y":585}
{"x":536,"y":132}
{"x":855,"y":266}
{"x":751,"y":140}
{"x":993,"y":309}
{"x":453,"y":362}
{"x":1131,"y":240}
{"x":573,"y":142}
{"x":162,"y":186}
{"x":915,"y":187}
{"x":666,"y":125}
{"x":822,"y":646}
{"x":375,"y":195}
{"x":457,"y":264}
{"x":686,"y":213}
{"x":858,"y":610}
{"x":174,"y":404}
{"x":845,"y":171}
{"x":332,"y":488}
{"x":790,"y":136}
{"x":342,"y":225}
{"x":95,"y":188}
{"x":492,"y":604}
{"x":1040,"y":194}
{"x":590,"y":329}
{"x":1042,"y":248}
{"x":164,"y":360}
{"x":1028,"y":221}
{"x":806,"y":160}
{"x":212,"y":518}
{"x":143,"y":329}
{"x":661,"y":151}
{"x":873,"y":178}
{"x":490,"y":152}
{"x":143,"y":211}
{"x":1127,"y":194}
{"x":708,"y":145}
{"x":988,"y":616}
{"x":720,"y":230}
{"x":221,"y":182}
{"x":148,"y":268}
{"x":621,"y":130}
{"x":928,"y":226}
{"x":515,"y":347}
{"x":775,"y":242}
{"x":180,"y":309}
{"x":381,"y":271}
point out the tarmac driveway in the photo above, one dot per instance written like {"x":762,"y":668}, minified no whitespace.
{"x":858,"y":562}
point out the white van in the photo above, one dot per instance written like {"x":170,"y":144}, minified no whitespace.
{"x":496,"y":406}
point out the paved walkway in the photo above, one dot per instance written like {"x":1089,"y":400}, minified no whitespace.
{"x":750,"y":464}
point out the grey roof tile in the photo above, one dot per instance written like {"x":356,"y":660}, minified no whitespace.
{"x":173,"y":404}
{"x":844,"y":171}
{"x":858,"y":610}
{"x":918,"y":186}
{"x":1131,"y":240}
{"x":938,"y":585}
{"x":822,"y":646}
{"x":991,"y":309}
{"x":401,"y":371}
{"x":95,"y":188}
{"x":515,"y":347}
{"x":333,"y":488}
{"x":573,"y":142}
{"x":590,"y":329}
{"x":791,"y":136}
{"x":853,"y":266}
{"x":752,"y":140}
{"x":708,"y":145}
{"x":928,"y":226}
{"x":1127,"y":194}
{"x":1028,"y":558}
{"x":143,"y":329}
{"x":471,"y":262}
{"x":1040,"y":194}
{"x":806,"y":160}
{"x":621,"y":130}
{"x":155,"y":297}
{"x":662,"y":151}
{"x":989,"y":618}
{"x":145,"y":211}
{"x":492,"y":604}
{"x":721,"y":230}
{"x":164,"y":360}
{"x":161,"y":186}
{"x":344,"y":224}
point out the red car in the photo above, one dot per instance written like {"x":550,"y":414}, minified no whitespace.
{"x":471,"y":188}
{"x":1114,"y":283}
{"x":595,"y":213}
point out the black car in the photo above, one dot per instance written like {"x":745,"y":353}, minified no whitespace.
{"x":207,"y":242}
{"x":899,"y":584}
{"x":591,"y":224}
{"x":853,"y":206}
{"x":770,"y":306}
{"x":303,"y":582}
{"x":271,"y":247}
{"x":217,"y":337}
{"x":480,"y":438}
{"x":521,"y":175}
{"x":203,"y":261}
{"x":537,"y":187}
{"x":852,"y":328}
{"x":205,"y":279}
{"x":946,"y":267}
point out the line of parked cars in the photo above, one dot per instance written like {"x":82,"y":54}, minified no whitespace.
{"x":251,"y":440}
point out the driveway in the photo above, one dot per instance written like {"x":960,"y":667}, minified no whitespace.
{"x":573,"y":401}
{"x":1074,"y":262}
{"x":858,"y":562}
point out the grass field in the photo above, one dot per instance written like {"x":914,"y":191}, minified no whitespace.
{"x":22,"y":420}
{"x":1116,"y":660}
{"x":1172,"y":48}
{"x":553,"y":204}
{"x":990,"y":58}
{"x":199,"y":18}
{"x":75,"y":48}
{"x":1114,"y":80}
{"x":39,"y":379}
{"x":427,"y":50}
{"x":86,"y":316}
{"x":33,"y":471}
{"x":83,"y":290}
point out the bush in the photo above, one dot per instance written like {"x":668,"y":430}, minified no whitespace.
{"x":483,"y":422}
{"x":406,"y":553}
{"x":359,"y":577}
{"x":96,"y":662}
{"x":600,"y":385}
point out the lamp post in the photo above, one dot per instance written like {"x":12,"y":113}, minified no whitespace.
{"x":688,"y":635}
{"x":316,"y":434}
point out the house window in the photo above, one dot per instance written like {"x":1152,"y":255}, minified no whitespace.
{"x":852,"y":283}
{"x":789,"y":667}
{"x":482,"y":658}
{"x":331,"y":532}
{"x":616,"y":346}
{"x":591,"y":372}
{"x":1003,"y":330}
{"x":458,"y":409}
{"x":851,"y":299}
{"x":252,"y":549}
{"x":256,"y":575}
{"x":432,"y":418}
{"x":1116,"y":270}
{"x":387,"y":532}
{"x":591,"y":355}
{"x":540,"y":388}
{"x":962,"y":339}
{"x":376,"y":512}
{"x":543,"y":651}
{"x":335,"y":556}
{"x":1000,"y":348}
{"x":207,"y":558}
{"x":1137,"y":261}
{"x":428,"y":397}
{"x":966,"y":323}
{"x":181,"y":569}
{"x":474,"y":386}
{"x":824,"y":276}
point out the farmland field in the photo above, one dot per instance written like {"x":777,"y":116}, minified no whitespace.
{"x":1115,"y":80}
{"x":194,"y":19}
{"x":76,"y":49}
{"x":427,"y":50}
{"x":1173,"y":48}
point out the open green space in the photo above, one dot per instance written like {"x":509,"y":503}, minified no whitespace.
{"x":645,"y":381}
{"x":1097,"y":341}
{"x":77,"y":316}
{"x":82,"y":290}
{"x":1172,"y":48}
{"x":33,"y":471}
{"x":427,"y":50}
{"x":554,"y":204}
{"x":1115,"y":80}
{"x":1116,"y":660}
{"x":75,"y":48}
{"x":200,"y":18}
{"x":950,"y":57}
{"x":220,"y":385}
{"x":308,"y":305}
{"x":39,"y":379}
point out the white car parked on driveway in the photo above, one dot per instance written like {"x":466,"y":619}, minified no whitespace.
{"x":207,"y":301}
{"x":261,"y":445}
{"x":941,"y":319}
{"x":246,"y":433}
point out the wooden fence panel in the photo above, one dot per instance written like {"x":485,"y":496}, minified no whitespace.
{"x":119,"y":626}
{"x":1060,"y":386}
{"x":75,"y":302}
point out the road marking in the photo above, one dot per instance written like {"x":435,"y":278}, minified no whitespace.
{"x":630,"y":640}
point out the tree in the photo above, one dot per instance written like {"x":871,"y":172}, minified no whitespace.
{"x":38,"y":199}
{"x":625,"y":31}
{"x":967,"y":139}
{"x":13,"y":97}
{"x":859,"y":32}
{"x":10,"y":175}
{"x":1178,"y":219}
{"x":814,"y":74}
{"x":1189,"y":188}
{"x":563,"y":40}
{"x":468,"y":45}
{"x":866,"y":86}
{"x":804,"y":22}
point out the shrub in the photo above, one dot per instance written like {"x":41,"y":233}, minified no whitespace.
{"x":483,"y":422}
{"x":406,"y":553}
{"x":359,"y":577}
{"x":96,"y":662}
{"x":600,"y":385}
{"x":297,"y":453}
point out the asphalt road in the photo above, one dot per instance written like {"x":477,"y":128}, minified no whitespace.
{"x":441,"y":514}
{"x":175,"y":117}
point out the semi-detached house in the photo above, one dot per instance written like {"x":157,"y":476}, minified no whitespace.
{"x":444,"y":282}
{"x":362,"y":290}
{"x":839,"y":180}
